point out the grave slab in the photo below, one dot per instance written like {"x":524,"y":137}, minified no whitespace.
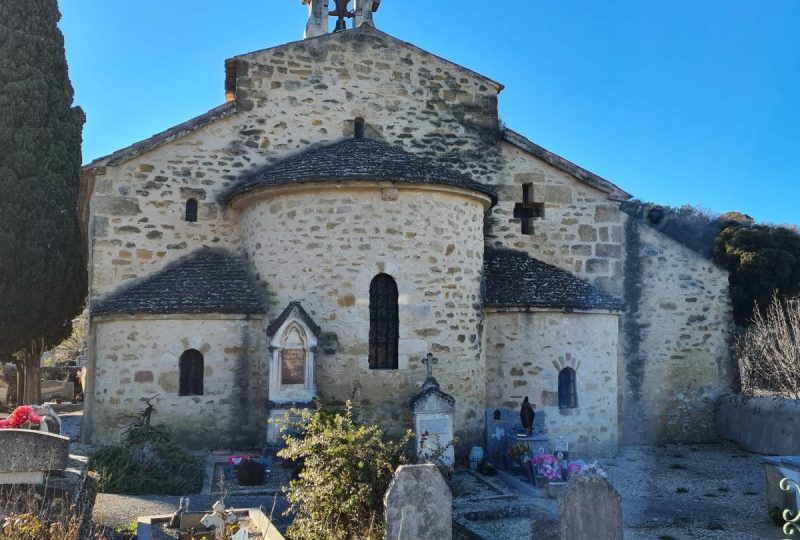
{"x":28,"y":454}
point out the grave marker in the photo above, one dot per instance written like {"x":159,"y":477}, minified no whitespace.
{"x":590,"y":509}
{"x":418,"y":505}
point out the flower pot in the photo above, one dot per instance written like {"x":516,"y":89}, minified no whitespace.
{"x":556,"y":489}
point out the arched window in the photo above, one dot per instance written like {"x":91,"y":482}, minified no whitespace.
{"x":191,"y":373}
{"x":191,"y":210}
{"x":567,"y":389}
{"x":358,"y":128}
{"x":384,"y":323}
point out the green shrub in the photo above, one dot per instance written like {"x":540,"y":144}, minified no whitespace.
{"x":347,"y":468}
{"x":250,"y":473}
{"x":762,"y":260}
{"x":147,"y":462}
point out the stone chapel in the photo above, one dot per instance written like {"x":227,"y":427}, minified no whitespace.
{"x":356,"y":204}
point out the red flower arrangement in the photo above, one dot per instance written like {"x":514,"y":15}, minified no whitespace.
{"x":21,"y":414}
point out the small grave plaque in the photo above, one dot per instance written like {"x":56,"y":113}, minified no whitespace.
{"x":293,"y":366}
{"x":562,"y":444}
{"x":435,"y":426}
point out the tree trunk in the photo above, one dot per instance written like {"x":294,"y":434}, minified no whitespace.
{"x":20,"y":381}
{"x":29,"y":387}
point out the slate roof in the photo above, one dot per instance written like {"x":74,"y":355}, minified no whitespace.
{"x":276,"y":324}
{"x":579,"y":173}
{"x":209,"y":280}
{"x":355,"y":159}
{"x":514,"y":279}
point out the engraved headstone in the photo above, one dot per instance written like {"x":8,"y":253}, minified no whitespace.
{"x":590,"y":509}
{"x":500,"y":422}
{"x":418,"y":505}
{"x":503,"y":425}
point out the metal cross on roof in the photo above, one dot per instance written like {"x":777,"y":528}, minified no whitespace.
{"x":429,"y":360}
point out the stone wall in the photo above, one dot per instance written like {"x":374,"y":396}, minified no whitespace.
{"x":137,"y":208}
{"x":525,"y":352}
{"x":139,"y":357}
{"x":321,"y":246}
{"x":767,"y":425}
{"x":677,"y":339}
{"x":310,"y":91}
{"x":581,"y":230}
{"x":674,"y":357}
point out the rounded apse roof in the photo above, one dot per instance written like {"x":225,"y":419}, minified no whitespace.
{"x":355,"y":159}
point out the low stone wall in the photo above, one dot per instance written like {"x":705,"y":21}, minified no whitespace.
{"x":766,"y":425}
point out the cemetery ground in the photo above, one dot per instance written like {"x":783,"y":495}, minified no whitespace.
{"x":668,"y":492}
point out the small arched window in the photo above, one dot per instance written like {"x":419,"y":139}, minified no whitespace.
{"x":191,"y":373}
{"x":567,"y":389}
{"x":384,"y":323}
{"x":358,"y":128}
{"x":191,"y":210}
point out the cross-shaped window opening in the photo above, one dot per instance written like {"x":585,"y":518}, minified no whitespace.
{"x":528,"y":209}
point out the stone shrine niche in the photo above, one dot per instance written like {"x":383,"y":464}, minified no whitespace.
{"x":293,"y":342}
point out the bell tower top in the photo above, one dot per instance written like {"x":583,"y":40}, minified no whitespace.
{"x":318,"y":14}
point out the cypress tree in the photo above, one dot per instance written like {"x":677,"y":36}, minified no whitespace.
{"x":42,"y":272}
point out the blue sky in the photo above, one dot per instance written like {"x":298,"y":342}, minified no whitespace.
{"x":675,"y":101}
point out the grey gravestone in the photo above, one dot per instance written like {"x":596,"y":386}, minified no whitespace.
{"x":501,"y":423}
{"x":28,"y":454}
{"x":418,"y":505}
{"x":590,"y":509}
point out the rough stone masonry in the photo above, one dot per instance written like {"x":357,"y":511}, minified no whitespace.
{"x":643,"y":322}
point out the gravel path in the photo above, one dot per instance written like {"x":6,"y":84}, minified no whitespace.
{"x":691,"y":491}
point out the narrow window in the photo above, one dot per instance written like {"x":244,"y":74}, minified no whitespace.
{"x":191,"y":373}
{"x":384,"y":323}
{"x":358,"y":128}
{"x":567,"y":391}
{"x":191,"y":210}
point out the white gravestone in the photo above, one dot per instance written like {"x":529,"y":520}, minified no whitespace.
{"x":433,"y":417}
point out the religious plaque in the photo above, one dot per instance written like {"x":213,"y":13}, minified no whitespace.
{"x":435,"y":426}
{"x":293,"y":366}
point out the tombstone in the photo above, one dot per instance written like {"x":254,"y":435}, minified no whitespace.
{"x":562,"y":449}
{"x":293,"y":343}
{"x":27,"y":455}
{"x":590,"y":509}
{"x":433,"y":417}
{"x":418,"y":505}
{"x":502,"y":427}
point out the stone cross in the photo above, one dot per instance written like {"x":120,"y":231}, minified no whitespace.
{"x":429,"y":360}
{"x":528,"y":209}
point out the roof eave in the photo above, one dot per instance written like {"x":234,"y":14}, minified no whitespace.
{"x":579,"y":173}
{"x":159,"y":139}
{"x":550,"y":308}
{"x":230,"y":197}
{"x":365,"y":28}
